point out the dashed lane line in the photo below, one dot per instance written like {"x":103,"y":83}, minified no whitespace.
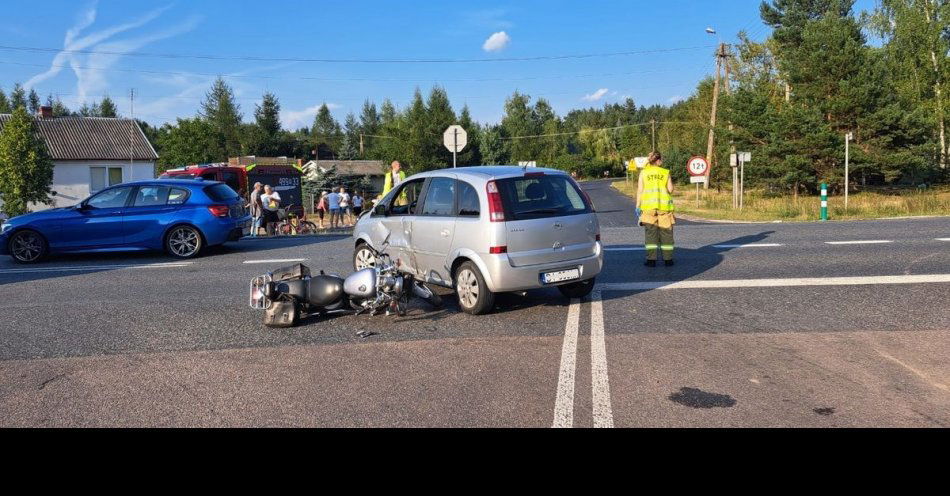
{"x":860,"y":242}
{"x":564,"y":402}
{"x":750,"y":245}
{"x":277,"y":260}
{"x":91,"y":268}
{"x":775,"y":283}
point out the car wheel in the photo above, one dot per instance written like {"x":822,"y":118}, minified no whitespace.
{"x":577,"y":289}
{"x":363,"y":257}
{"x":27,"y":247}
{"x":183,"y":242}
{"x":473,"y":294}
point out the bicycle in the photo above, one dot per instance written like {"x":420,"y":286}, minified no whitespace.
{"x":290,"y":223}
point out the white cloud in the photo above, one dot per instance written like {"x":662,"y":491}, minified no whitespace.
{"x":676,"y":99}
{"x":597,"y":95}
{"x":90,"y":68}
{"x":295,"y":119}
{"x":496,"y":42}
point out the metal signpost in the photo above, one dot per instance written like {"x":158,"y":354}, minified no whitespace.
{"x":455,"y":139}
{"x":698,"y":169}
{"x":847,"y":142}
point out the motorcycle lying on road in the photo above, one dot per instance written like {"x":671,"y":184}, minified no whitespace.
{"x":291,"y":293}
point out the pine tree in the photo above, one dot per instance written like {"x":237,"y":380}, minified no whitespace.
{"x":349,"y":147}
{"x":326,"y":134}
{"x":18,"y":97}
{"x":439,"y":116}
{"x":520,"y":120}
{"x":59,"y":110}
{"x":224,"y":114}
{"x":34,"y":102}
{"x":107,"y":108}
{"x":265,"y":139}
{"x":369,"y":127}
{"x":471,"y":154}
{"x":26,"y":169}
{"x":492,"y":147}
{"x":4,"y":103}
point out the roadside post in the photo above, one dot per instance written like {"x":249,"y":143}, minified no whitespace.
{"x":698,"y":169}
{"x":847,"y":149}
{"x":455,"y":139}
{"x":743,"y":158}
{"x":734,"y":163}
{"x":824,"y":202}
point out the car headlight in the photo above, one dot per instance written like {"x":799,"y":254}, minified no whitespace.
{"x":5,"y":227}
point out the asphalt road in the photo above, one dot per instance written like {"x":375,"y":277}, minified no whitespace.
{"x":756,"y":325}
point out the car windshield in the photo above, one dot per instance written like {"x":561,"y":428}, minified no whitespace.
{"x":538,"y":195}
{"x":221,"y":192}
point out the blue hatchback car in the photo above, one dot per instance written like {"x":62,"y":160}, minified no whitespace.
{"x":181,"y":217}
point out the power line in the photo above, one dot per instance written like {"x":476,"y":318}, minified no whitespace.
{"x":600,"y":129}
{"x":360,"y":61}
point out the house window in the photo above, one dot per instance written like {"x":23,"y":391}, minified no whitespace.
{"x":103,"y":177}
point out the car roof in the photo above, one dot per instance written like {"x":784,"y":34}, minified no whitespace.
{"x":491,"y":171}
{"x":171,"y":182}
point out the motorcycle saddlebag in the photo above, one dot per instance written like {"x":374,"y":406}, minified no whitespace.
{"x":290,"y":272}
{"x":281,"y":314}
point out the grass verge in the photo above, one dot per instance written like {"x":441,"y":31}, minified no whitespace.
{"x":762,"y":206}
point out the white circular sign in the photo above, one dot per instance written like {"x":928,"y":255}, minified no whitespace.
{"x":455,"y":138}
{"x":697,"y":166}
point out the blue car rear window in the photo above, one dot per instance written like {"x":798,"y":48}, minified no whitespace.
{"x":221,"y":193}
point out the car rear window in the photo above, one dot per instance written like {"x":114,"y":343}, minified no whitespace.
{"x":538,"y":196}
{"x":176,"y":176}
{"x":221,"y":193}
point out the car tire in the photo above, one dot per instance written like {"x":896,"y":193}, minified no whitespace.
{"x":577,"y":289}
{"x":27,"y":246}
{"x":473,"y":294}
{"x":184,"y":242}
{"x":363,"y":257}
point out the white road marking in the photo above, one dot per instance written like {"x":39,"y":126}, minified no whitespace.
{"x":943,"y":239}
{"x":564,"y":403}
{"x":635,"y":248}
{"x":865,"y":242}
{"x":278,"y":260}
{"x":90,"y":268}
{"x":603,"y":414}
{"x":926,"y":378}
{"x":750,"y":245}
{"x":776,"y":283}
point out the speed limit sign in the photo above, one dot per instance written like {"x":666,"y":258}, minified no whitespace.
{"x":697,"y":166}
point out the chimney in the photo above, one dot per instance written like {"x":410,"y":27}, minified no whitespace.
{"x":45,"y":112}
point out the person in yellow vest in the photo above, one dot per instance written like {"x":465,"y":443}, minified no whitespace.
{"x":655,"y":207}
{"x":393,"y":177}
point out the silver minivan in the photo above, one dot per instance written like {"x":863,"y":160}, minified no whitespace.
{"x":487,"y":230}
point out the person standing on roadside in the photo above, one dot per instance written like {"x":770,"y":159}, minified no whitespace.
{"x":333,"y":203}
{"x":271,"y":202}
{"x":256,"y":209}
{"x":321,"y":207}
{"x":345,"y":208}
{"x":357,"y":204}
{"x":655,"y":209}
{"x":393,"y":177}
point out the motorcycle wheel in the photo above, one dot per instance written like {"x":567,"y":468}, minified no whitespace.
{"x":423,"y":291}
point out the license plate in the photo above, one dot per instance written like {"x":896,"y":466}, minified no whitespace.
{"x":560,"y":276}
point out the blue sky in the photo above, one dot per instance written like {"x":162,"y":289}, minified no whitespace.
{"x":674,"y":51}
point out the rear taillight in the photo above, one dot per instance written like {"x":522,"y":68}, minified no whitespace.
{"x":498,"y":250}
{"x":496,"y":210}
{"x":219,"y":210}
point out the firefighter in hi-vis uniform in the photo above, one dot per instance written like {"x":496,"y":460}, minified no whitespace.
{"x":655,"y":208}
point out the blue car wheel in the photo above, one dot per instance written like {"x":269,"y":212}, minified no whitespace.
{"x":183,"y":242}
{"x":27,"y":246}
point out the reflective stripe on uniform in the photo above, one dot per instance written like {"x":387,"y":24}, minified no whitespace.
{"x":666,"y":247}
{"x":651,"y":247}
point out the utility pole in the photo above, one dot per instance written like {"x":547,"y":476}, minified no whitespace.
{"x":720,"y":55}
{"x":653,"y":131}
{"x":131,"y":128}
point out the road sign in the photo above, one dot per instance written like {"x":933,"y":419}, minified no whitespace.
{"x":733,"y":160}
{"x":746,"y":157}
{"x":698,"y":179}
{"x":455,"y":138}
{"x":697,"y":166}
{"x":532,"y":163}
{"x":641,"y":162}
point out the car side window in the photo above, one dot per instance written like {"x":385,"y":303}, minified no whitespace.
{"x":110,"y":198}
{"x":177,"y":196}
{"x":149,"y":196}
{"x":469,"y":205}
{"x":440,"y":197}
{"x":407,"y":198}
